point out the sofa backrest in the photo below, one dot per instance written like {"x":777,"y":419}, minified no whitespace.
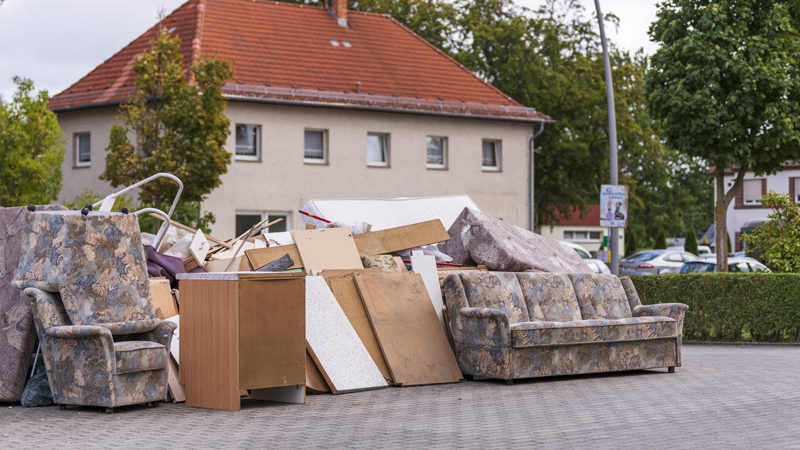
{"x":498,"y":290}
{"x":600,"y":296}
{"x":550,"y":297}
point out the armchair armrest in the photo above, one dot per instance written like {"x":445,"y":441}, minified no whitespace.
{"x":162,"y":334}
{"x":77,"y":331}
{"x":131,"y":327}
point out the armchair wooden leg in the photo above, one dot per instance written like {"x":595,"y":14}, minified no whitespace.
{"x":509,"y":382}
{"x":109,"y":410}
{"x":62,"y":406}
{"x":671,"y":369}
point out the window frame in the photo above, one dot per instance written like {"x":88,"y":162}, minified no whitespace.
{"x":747,"y":202}
{"x":386,"y":150}
{"x":316,"y":161}
{"x":240,"y":157}
{"x":445,"y":159}
{"x":498,"y":155}
{"x":287,"y":215}
{"x":77,"y":151}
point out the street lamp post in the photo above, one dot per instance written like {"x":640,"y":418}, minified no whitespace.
{"x":613,"y":240}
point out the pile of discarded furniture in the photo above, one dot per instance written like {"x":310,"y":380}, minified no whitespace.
{"x":124,"y":317}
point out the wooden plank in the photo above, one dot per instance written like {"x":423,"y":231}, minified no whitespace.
{"x":272,"y":341}
{"x":401,"y":238}
{"x":343,"y":286}
{"x":328,"y":249}
{"x":191,"y":230}
{"x":209,"y":343}
{"x":163,"y":302}
{"x":173,"y":382}
{"x":334,"y":345}
{"x":261,"y":256}
{"x":315,"y":382}
{"x":199,"y":248}
{"x":408,"y":331}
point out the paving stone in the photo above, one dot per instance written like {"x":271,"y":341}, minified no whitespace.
{"x":722,"y":397}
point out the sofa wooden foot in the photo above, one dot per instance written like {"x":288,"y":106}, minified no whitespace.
{"x":671,"y":369}
{"x":109,"y":410}
{"x":509,"y":382}
{"x":62,"y":406}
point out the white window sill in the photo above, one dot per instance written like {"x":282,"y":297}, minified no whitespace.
{"x":315,"y":161}
{"x":247,"y":158}
{"x":82,"y":165}
{"x":491,"y":169}
{"x":437,"y":167}
{"x":378,"y":165}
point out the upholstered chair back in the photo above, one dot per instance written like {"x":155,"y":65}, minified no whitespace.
{"x":550,"y":297}
{"x":499,"y":290}
{"x":600,"y":296}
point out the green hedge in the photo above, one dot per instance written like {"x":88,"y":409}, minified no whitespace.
{"x":730,"y":307}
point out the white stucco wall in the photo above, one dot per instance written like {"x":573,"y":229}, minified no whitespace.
{"x":280,"y":181}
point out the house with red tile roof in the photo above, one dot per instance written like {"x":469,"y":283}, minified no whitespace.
{"x":323,"y":103}
{"x":580,"y":228}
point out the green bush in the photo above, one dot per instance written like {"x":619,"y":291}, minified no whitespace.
{"x":729,"y":307}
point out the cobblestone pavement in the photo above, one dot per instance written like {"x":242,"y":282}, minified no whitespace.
{"x":722,"y":397}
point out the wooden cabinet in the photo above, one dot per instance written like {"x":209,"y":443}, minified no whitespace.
{"x":241,"y":330}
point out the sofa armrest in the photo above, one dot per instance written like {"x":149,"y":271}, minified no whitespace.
{"x":675,"y":311}
{"x":476,"y":326}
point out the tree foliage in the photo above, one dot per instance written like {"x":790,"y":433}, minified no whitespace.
{"x":691,"y":241}
{"x":177,"y":127}
{"x":661,"y":240}
{"x":31,"y":148}
{"x":630,"y":244}
{"x":725,"y":85}
{"x":777,"y":241}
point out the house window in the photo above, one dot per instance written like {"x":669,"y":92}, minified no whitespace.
{"x":83,"y":149}
{"x":246,"y":220}
{"x":796,"y":182}
{"x":315,"y":147}
{"x":378,"y":150}
{"x":248,"y":141}
{"x":752,"y":192}
{"x":436,"y":150}
{"x":491,"y":155}
{"x":576,"y":235}
{"x":595,"y":235}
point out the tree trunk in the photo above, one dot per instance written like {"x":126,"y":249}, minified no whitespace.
{"x":720,"y":219}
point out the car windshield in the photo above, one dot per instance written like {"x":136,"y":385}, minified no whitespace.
{"x":697,"y":267}
{"x":643,"y":256}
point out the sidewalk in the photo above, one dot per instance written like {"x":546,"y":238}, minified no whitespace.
{"x":722,"y":397}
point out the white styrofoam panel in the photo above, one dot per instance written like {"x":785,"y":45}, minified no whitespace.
{"x":175,"y":345}
{"x":425,"y":265}
{"x":333,"y":341}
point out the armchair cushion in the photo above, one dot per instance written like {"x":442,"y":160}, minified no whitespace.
{"x":138,"y":356}
{"x":600,"y":296}
{"x":497,"y":290}
{"x":549,"y":297}
{"x":534,"y":334}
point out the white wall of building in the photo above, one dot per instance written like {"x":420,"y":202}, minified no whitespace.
{"x":280,"y":182}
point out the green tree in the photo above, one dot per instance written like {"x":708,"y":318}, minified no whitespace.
{"x":630,"y":244}
{"x":179,"y":127}
{"x":31,"y":148}
{"x":661,"y":240}
{"x":691,"y":241}
{"x":725,"y":84}
{"x":777,"y":241}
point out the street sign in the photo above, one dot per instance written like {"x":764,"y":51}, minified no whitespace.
{"x":613,"y":205}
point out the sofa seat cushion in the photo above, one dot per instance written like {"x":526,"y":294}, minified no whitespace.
{"x":498,"y":290}
{"x":137,"y":356}
{"x":549,"y":297}
{"x":600,"y":296}
{"x":534,"y":334}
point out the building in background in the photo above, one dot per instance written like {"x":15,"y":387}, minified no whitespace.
{"x":324,"y":103}
{"x":582,"y":230}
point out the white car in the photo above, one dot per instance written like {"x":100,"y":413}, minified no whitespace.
{"x":596,"y":265}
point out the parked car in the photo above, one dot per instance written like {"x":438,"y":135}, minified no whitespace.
{"x":708,"y":263}
{"x":701,"y":249}
{"x":655,"y":262}
{"x":598,"y":266}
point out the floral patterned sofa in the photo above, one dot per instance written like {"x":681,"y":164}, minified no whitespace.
{"x":520,"y":325}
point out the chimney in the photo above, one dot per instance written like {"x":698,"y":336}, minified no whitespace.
{"x":338,"y":9}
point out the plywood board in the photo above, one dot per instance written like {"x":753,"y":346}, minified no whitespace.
{"x":240,"y":264}
{"x":173,"y":383}
{"x":425,"y":266}
{"x":401,"y":238}
{"x":333,"y":343}
{"x":343,"y":286}
{"x":163,"y":302}
{"x":315,"y":382}
{"x":328,"y":249}
{"x":199,"y":248}
{"x":261,"y":256}
{"x":410,"y":336}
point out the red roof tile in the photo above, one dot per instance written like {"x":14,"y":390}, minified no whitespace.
{"x":592,"y":218}
{"x":284,"y":52}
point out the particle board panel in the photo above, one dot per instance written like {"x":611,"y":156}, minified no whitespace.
{"x":334,"y":345}
{"x":327,"y":249}
{"x":163,"y":302}
{"x":401,"y":238}
{"x":209,"y":343}
{"x":343,"y":286}
{"x":315,"y":382}
{"x":261,"y":256}
{"x":408,"y":331}
{"x":173,"y":382}
{"x":271,"y":332}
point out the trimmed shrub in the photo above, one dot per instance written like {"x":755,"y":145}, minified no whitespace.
{"x":661,"y":240}
{"x":730,"y":307}
{"x":691,"y":241}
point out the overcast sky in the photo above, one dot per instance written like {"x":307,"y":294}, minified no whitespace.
{"x":56,"y":42}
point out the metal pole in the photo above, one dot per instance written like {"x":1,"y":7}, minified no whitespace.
{"x":613,"y":240}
